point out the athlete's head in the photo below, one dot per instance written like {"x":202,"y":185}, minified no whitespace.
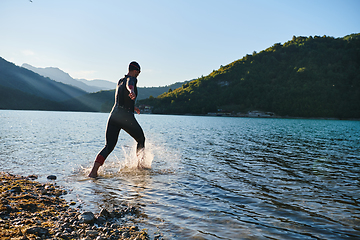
{"x":134,"y":66}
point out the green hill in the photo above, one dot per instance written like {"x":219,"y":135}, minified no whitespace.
{"x":147,"y":92}
{"x":304,"y":77}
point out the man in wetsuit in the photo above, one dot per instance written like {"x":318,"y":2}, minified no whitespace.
{"x":122,"y":117}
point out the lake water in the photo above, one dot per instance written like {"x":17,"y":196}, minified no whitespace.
{"x":210,"y":177}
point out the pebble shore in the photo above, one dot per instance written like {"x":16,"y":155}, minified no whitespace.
{"x":31,"y":210}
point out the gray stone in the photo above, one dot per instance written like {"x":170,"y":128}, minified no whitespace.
{"x":92,"y":233}
{"x":100,"y":220}
{"x":51,"y":177}
{"x":125,"y":234}
{"x":114,"y":225}
{"x":86,"y":217}
{"x":134,"y":228}
{"x":39,"y":231}
{"x":15,"y":189}
{"x":33,"y":177}
{"x":104,"y":213}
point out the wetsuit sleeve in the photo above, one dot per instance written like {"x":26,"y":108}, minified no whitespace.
{"x":130,"y":84}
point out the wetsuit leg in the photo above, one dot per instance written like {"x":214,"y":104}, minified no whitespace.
{"x":112,"y":134}
{"x":120,"y":119}
{"x":133,"y":128}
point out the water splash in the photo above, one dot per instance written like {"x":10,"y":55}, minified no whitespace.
{"x":133,"y":160}
{"x":164,"y":159}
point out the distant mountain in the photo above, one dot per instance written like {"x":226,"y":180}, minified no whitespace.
{"x":96,"y":85}
{"x":304,"y":77}
{"x":61,"y":76}
{"x":21,"y":88}
{"x":101,"y":84}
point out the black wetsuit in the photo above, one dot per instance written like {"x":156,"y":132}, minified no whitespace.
{"x":122,"y":117}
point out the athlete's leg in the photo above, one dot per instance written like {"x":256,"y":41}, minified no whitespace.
{"x":133,"y":128}
{"x":112,"y":134}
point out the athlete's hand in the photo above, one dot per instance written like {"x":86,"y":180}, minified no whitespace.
{"x":132,"y":95}
{"x":137,"y":110}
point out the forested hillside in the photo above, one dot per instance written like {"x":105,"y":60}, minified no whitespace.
{"x":15,"y":99}
{"x":304,"y":77}
{"x":15,"y":77}
{"x":21,"y":88}
{"x":146,"y":92}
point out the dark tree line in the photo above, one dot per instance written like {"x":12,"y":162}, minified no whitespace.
{"x":304,"y":77}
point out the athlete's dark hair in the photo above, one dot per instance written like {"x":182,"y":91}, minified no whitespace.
{"x":134,"y":66}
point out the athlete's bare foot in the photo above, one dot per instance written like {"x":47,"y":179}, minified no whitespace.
{"x":142,"y":165}
{"x":94,"y":170}
{"x":92,"y":175}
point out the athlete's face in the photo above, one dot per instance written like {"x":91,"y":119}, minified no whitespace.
{"x":134,"y":73}
{"x":137,"y":72}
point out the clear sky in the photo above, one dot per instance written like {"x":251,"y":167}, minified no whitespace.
{"x":173,"y":40}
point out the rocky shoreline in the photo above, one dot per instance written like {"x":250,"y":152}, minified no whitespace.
{"x":31,"y":210}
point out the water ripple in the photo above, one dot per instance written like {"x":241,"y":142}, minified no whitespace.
{"x":211,"y":178}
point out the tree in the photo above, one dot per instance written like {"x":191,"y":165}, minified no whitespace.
{"x":304,"y":77}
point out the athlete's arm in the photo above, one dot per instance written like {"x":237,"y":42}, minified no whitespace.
{"x":130,"y":87}
{"x":137,"y":110}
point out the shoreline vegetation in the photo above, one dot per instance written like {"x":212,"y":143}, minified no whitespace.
{"x":216,"y":114}
{"x":307,"y":77}
{"x":242,"y":115}
{"x":32,"y":210}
